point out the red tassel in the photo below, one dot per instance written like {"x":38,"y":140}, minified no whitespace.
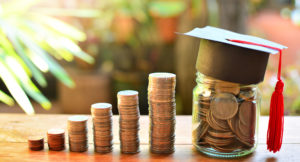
{"x":276,"y":120}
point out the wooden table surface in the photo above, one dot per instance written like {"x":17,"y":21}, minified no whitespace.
{"x":15,"y":128}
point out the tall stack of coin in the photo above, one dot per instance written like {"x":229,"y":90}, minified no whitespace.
{"x":226,"y":116}
{"x":56,"y":139}
{"x":78,"y":133}
{"x":128,"y":106}
{"x":36,"y":143}
{"x":102,"y":127}
{"x":162,"y":111}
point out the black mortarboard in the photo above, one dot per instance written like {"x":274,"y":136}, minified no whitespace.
{"x":226,"y":60}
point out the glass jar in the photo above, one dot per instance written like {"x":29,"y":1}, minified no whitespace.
{"x":225,"y":117}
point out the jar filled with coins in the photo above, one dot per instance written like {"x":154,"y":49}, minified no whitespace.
{"x":226,"y":99}
{"x":225,"y":117}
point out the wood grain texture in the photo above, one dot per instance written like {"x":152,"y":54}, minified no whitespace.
{"x":15,"y":128}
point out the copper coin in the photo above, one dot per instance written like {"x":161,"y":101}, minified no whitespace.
{"x":227,"y":87}
{"x":247,"y":95}
{"x":218,"y":141}
{"x":200,"y":129}
{"x":213,"y":123}
{"x":220,"y":134}
{"x":227,"y":149}
{"x":247,"y":112}
{"x":224,"y":106}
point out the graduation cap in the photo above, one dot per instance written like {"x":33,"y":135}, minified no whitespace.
{"x":243,"y":59}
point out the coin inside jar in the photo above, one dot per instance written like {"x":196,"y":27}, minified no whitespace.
{"x":247,"y":112}
{"x":224,"y":106}
{"x":227,"y":87}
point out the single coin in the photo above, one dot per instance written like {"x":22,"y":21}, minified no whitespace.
{"x":224,"y":106}
{"x":220,"y":134}
{"x":218,"y":141}
{"x":247,"y":112}
{"x":35,"y":138}
{"x":232,"y":123}
{"x":200,"y":129}
{"x":227,"y":87}
{"x":247,"y":94}
{"x":128,"y":93}
{"x":78,"y":118}
{"x":212,"y":122}
{"x":101,"y":105}
{"x":227,"y":149}
{"x":56,"y":131}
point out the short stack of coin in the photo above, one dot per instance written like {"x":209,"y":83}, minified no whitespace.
{"x":36,"y":143}
{"x":226,"y":116}
{"x":162,"y":111}
{"x":56,"y":139}
{"x":102,"y":127}
{"x":78,"y":133}
{"x":128,"y":106}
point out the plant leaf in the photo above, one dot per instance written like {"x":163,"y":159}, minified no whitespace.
{"x":84,"y":13}
{"x":37,"y":75}
{"x":167,"y":8}
{"x":17,"y":6}
{"x":6,"y":99}
{"x":75,"y":49}
{"x":15,"y":89}
{"x":60,"y":27}
{"x":54,"y":68}
{"x":8,"y":48}
{"x":26,"y":83}
{"x":54,"y":43}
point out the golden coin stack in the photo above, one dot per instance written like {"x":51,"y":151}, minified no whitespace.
{"x":102,"y":127}
{"x":36,"y":143}
{"x":56,"y":139}
{"x":128,"y":106}
{"x":227,"y":116}
{"x":78,"y":133}
{"x":162,"y":111}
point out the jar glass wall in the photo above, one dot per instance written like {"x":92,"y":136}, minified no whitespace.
{"x":225,"y":117}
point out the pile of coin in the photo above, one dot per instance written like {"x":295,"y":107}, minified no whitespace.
{"x":56,"y":139}
{"x":225,"y":118}
{"x":162,"y":111}
{"x":128,"y":106}
{"x":78,"y":133}
{"x":36,"y":143}
{"x":102,"y":127}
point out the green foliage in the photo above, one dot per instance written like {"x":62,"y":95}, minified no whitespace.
{"x":167,"y":8}
{"x":28,"y":42}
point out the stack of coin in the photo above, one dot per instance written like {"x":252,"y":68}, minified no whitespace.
{"x":226,"y":116}
{"x":78,"y":133}
{"x":128,"y":106}
{"x":36,"y":143}
{"x":56,"y":139}
{"x":162,"y":111}
{"x":102,"y":127}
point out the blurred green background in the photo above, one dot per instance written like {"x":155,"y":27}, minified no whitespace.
{"x":63,"y":55}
